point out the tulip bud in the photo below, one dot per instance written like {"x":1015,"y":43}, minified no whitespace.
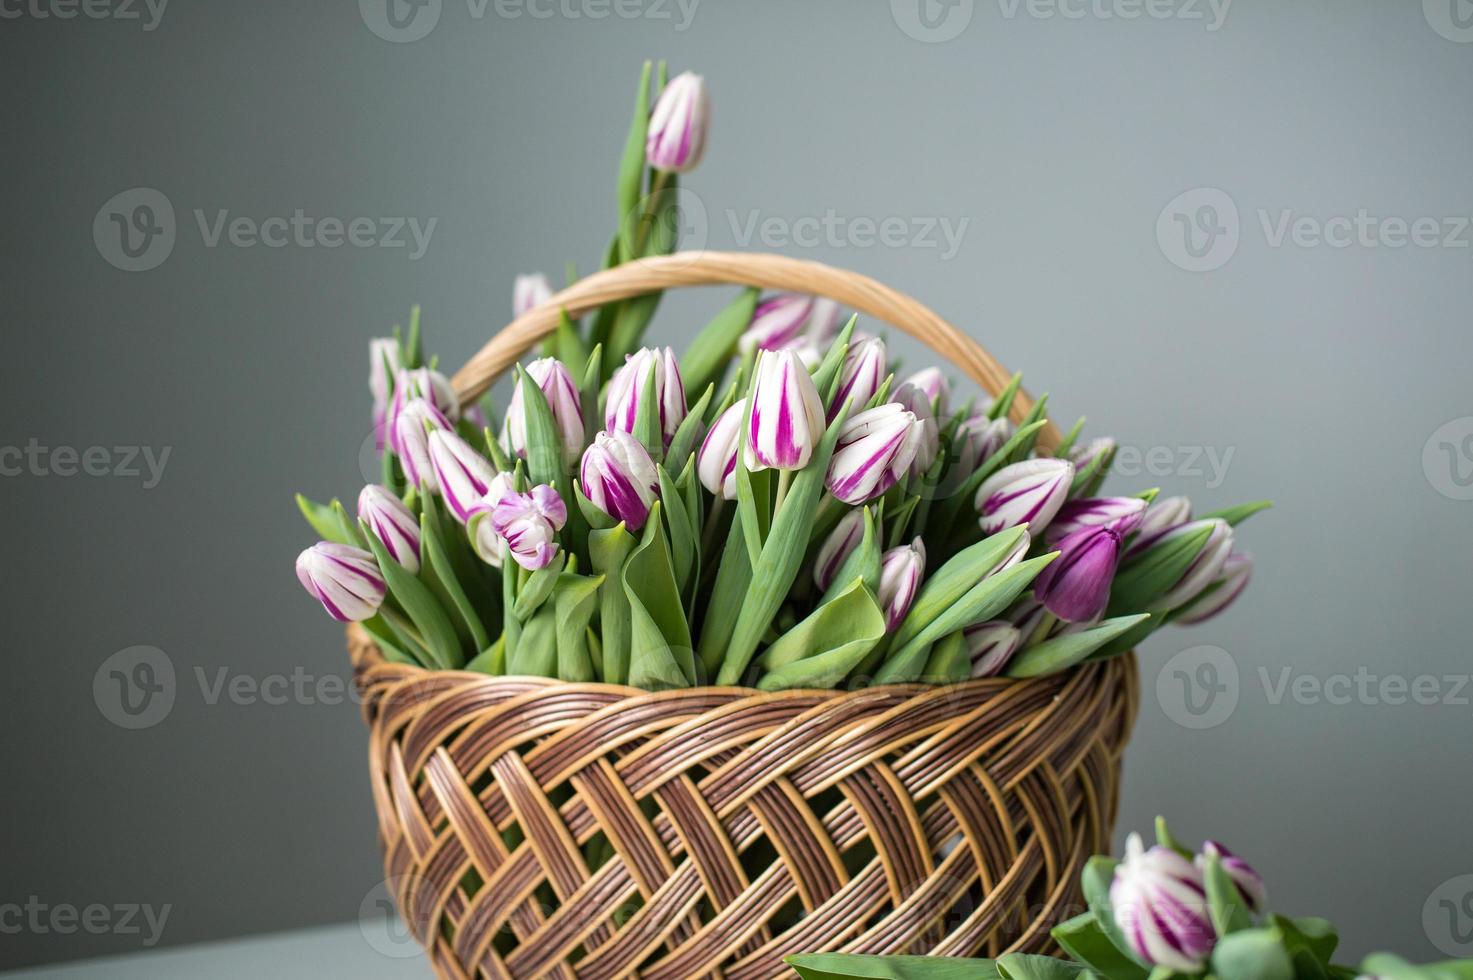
{"x":529,"y":292}
{"x":901,"y":571}
{"x":922,"y":407}
{"x":619,"y":478}
{"x":979,"y":437}
{"x":479,"y":527}
{"x":1076,"y":586}
{"x":1249,"y":882}
{"x":1122,"y":513}
{"x":777,"y":322}
{"x":412,"y":442}
{"x":931,"y":383}
{"x":626,"y":391}
{"x":836,"y":548}
{"x":1160,"y":905}
{"x":392,"y":523}
{"x":1236,"y":571}
{"x":528,"y":523}
{"x":991,"y":645}
{"x":677,"y":128}
{"x":346,"y":580}
{"x":1082,"y":456}
{"x":383,"y":364}
{"x":1029,"y":492}
{"x":874,"y":450}
{"x":787,"y":414}
{"x":1160,"y":517}
{"x":430,"y":385}
{"x":716,"y":461}
{"x":563,"y":400}
{"x":864,"y":370}
{"x":462,"y":474}
{"x":823,"y":322}
{"x":1205,"y":568}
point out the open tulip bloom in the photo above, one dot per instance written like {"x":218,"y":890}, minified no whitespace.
{"x":664,"y":516}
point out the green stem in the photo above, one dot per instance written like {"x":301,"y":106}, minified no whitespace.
{"x":784,"y":477}
{"x":652,"y":200}
{"x":1045,"y":626}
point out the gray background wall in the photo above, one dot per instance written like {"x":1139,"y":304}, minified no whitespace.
{"x":1323,"y":370}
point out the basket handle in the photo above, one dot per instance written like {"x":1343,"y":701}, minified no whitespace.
{"x":760,"y":270}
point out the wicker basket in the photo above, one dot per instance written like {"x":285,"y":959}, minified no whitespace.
{"x":735,"y":827}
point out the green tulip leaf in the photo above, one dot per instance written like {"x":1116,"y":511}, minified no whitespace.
{"x":822,"y":649}
{"x":607,"y":551}
{"x":536,"y":651}
{"x":706,"y":359}
{"x":1252,"y":954}
{"x":575,"y":599}
{"x":1224,"y":902}
{"x":1148,"y":576}
{"x":848,"y":966}
{"x":631,"y":166}
{"x":538,"y":586}
{"x":421,"y":606}
{"x":689,"y":433}
{"x":724,"y":605}
{"x":1082,"y":938}
{"x":1237,"y":515}
{"x":323,"y":521}
{"x":660,"y":655}
{"x":1063,"y":652}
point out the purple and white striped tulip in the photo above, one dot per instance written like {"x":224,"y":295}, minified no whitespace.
{"x":392,"y":523}
{"x":529,"y":292}
{"x":1082,"y":456}
{"x":1122,"y":513}
{"x":1236,"y":571}
{"x":383,"y":364}
{"x":411,"y":441}
{"x":787,"y":418}
{"x":1160,"y":517}
{"x":346,"y":580}
{"x":423,"y":383}
{"x":777,"y":322}
{"x":837,"y":547}
{"x":1028,"y":615}
{"x":626,"y":389}
{"x":619,"y":478}
{"x":921,"y":405}
{"x":874,"y":450}
{"x":1076,"y":585}
{"x":1159,"y":903}
{"x":563,"y":400}
{"x":979,"y":437}
{"x":1205,"y":568}
{"x":823,"y":321}
{"x":991,"y":645}
{"x":717,"y":458}
{"x":1030,"y":492}
{"x":931,"y":383}
{"x":677,"y":128}
{"x":462,"y":474}
{"x":1249,"y":881}
{"x":901,"y":571}
{"x":865,"y":368}
{"x":528,"y":523}
{"x":479,"y":527}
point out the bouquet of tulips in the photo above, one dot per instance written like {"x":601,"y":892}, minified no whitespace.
{"x":1161,"y":913}
{"x":768,"y":507}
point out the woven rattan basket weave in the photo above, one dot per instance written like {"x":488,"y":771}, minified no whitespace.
{"x":735,"y":826}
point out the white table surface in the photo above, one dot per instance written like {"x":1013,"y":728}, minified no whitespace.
{"x":366,"y":952}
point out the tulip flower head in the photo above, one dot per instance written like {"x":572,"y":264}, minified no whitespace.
{"x":529,"y":292}
{"x":1076,"y":586}
{"x":1160,"y":905}
{"x":1082,"y":456}
{"x":1160,"y":517}
{"x":901,"y":571}
{"x":1205,"y":567}
{"x":978,"y":437}
{"x":864,"y":371}
{"x":627,"y":386}
{"x":932,"y":384}
{"x":1030,"y":492}
{"x":346,"y":580}
{"x":410,"y":436}
{"x":528,"y":523}
{"x":619,"y":478}
{"x":922,"y":406}
{"x":383,"y":364}
{"x":1122,"y":513}
{"x":991,"y":645}
{"x":875,"y":449}
{"x":1237,"y":569}
{"x":422,"y":383}
{"x":777,"y":322}
{"x":717,"y":458}
{"x":462,"y":474}
{"x":392,"y":523}
{"x":787,"y":416}
{"x":563,"y":400}
{"x":1249,"y":882}
{"x":677,"y":127}
{"x":836,"y":548}
{"x":479,"y":527}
